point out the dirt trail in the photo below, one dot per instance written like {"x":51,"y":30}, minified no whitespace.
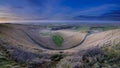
{"x":44,"y":47}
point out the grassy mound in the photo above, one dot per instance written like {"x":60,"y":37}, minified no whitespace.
{"x":58,"y":40}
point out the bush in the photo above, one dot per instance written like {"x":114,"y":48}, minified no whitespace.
{"x":6,"y":61}
{"x":58,"y":40}
{"x":57,"y":57}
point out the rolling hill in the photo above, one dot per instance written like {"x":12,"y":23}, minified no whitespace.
{"x":25,"y":43}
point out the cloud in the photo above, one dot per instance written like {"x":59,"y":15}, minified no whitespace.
{"x":97,"y":10}
{"x":47,"y":9}
{"x":5,"y":12}
{"x":32,"y":8}
{"x":35,"y":2}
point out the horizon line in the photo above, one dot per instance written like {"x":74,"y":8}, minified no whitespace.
{"x":53,"y":21}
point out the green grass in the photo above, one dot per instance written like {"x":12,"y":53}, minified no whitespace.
{"x":81,"y":28}
{"x":110,"y":28}
{"x":58,"y":40}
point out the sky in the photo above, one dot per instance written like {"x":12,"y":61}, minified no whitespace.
{"x":54,"y":9}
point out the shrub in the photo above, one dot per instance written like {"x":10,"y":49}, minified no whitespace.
{"x":58,"y":40}
{"x":57,"y":57}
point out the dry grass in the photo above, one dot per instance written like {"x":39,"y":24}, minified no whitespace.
{"x":93,"y":58}
{"x":17,"y":38}
{"x":111,"y":37}
{"x":71,"y":38}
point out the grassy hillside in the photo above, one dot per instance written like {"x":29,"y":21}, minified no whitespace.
{"x":98,"y":50}
{"x":107,"y":57}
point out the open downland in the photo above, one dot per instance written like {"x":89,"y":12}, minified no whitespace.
{"x":29,"y":38}
{"x":25,"y":44}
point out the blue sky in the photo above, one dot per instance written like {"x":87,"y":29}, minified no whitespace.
{"x":54,"y":9}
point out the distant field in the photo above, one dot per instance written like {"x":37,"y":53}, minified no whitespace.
{"x":81,"y":28}
{"x":110,"y":28}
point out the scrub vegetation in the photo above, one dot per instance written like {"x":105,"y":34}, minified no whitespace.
{"x":7,"y":62}
{"x":57,"y":39}
{"x":106,"y":57}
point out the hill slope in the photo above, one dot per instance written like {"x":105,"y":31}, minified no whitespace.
{"x":23,"y":43}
